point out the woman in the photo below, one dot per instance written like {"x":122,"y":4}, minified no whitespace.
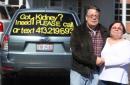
{"x":116,"y":55}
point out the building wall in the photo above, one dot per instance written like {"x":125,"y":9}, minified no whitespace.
{"x":128,"y":1}
{"x":106,"y":6}
{"x":128,"y":27}
{"x":107,"y":10}
{"x":39,"y":3}
{"x":67,"y":4}
{"x":70,"y":4}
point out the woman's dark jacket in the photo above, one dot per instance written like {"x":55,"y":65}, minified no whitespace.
{"x":84,"y":60}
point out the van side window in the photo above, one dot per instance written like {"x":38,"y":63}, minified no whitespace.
{"x":11,"y":10}
{"x":3,"y":14}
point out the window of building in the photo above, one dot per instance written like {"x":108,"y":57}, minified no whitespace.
{"x":128,"y":5}
{"x":118,"y":10}
{"x":128,"y":12}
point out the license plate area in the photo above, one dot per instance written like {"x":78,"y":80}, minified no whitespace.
{"x":44,"y":47}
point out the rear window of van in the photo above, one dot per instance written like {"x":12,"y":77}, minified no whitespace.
{"x":39,"y":23}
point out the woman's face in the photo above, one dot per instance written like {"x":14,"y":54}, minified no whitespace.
{"x":116,"y":31}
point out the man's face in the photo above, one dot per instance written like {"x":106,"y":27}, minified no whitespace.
{"x":92,"y":18}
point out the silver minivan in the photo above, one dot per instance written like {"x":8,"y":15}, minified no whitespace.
{"x":38,"y":40}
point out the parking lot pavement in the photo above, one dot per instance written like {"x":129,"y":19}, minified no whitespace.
{"x":28,"y":80}
{"x":39,"y":80}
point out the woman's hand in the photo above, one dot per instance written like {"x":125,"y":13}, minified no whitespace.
{"x":100,"y":61}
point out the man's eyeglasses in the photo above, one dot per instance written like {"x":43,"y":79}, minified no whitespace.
{"x":93,"y":16}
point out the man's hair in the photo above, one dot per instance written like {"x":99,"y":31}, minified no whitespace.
{"x":92,"y":7}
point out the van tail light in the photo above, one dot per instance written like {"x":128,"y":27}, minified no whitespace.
{"x":7,"y":68}
{"x":5,"y":42}
{"x":1,"y":27}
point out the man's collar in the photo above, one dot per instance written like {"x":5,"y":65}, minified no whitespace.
{"x":92,"y":29}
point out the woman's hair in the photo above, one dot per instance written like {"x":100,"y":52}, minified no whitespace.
{"x":117,"y":22}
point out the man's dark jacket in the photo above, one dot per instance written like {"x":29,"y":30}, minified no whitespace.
{"x":84,"y":60}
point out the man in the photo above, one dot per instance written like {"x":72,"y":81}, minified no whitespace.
{"x":87,"y":41}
